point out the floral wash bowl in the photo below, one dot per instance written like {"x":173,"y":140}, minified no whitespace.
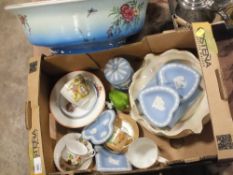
{"x":194,"y":118}
{"x":80,"y":26}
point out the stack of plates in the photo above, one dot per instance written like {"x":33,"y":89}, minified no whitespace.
{"x":81,"y":116}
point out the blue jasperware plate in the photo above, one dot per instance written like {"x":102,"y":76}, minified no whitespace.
{"x":181,"y":78}
{"x":107,"y":161}
{"x":101,"y":130}
{"x":159,"y":104}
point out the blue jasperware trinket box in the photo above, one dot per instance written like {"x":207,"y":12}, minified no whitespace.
{"x":101,"y":130}
{"x":119,"y":73}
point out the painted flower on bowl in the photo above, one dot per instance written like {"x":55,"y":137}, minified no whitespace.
{"x":127,"y":12}
{"x":101,"y":130}
{"x":126,"y":16}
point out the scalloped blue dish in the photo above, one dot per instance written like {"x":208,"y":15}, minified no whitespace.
{"x":159,"y":105}
{"x":181,"y":78}
{"x":101,"y":130}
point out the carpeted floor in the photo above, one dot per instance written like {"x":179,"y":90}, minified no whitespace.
{"x":14,"y":54}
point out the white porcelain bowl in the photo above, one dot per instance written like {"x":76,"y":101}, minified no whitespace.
{"x":194,"y":118}
{"x":142,"y":153}
{"x":79,"y":26}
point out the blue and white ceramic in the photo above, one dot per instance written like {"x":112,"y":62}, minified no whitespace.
{"x":80,"y":26}
{"x":159,"y":105}
{"x":181,"y":78}
{"x":107,"y":161}
{"x":118,"y":72}
{"x":101,"y":130}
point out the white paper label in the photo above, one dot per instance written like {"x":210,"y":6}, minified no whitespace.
{"x":37,"y":165}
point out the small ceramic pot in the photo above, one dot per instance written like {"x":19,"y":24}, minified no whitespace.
{"x":101,"y":130}
{"x":119,"y":73}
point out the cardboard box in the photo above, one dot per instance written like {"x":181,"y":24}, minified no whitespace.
{"x":215,"y":141}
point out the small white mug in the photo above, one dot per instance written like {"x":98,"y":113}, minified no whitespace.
{"x":75,"y":153}
{"x":143,"y":153}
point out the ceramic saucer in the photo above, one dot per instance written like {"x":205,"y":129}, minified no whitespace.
{"x":70,"y":122}
{"x":60,"y":146}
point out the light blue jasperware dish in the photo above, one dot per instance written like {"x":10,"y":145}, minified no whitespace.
{"x":80,"y":26}
{"x":159,"y":104}
{"x":107,"y":161}
{"x":101,"y":130}
{"x":183,"y":79}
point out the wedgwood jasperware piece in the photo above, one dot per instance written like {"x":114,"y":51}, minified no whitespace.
{"x":107,"y":161}
{"x":101,"y":130}
{"x":76,"y":122}
{"x":197,"y":113}
{"x":159,"y":104}
{"x":183,"y":79}
{"x":80,"y":26}
{"x":60,"y":150}
{"x":119,"y":73}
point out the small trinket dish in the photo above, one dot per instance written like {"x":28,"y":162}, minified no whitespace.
{"x":101,"y":130}
{"x":107,"y":161}
{"x":159,"y":104}
{"x":181,"y":78}
{"x":119,"y":73}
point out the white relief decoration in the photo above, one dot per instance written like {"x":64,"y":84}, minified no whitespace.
{"x":159,"y":104}
{"x":180,"y":82}
{"x":113,"y":161}
{"x":103,"y":134}
{"x":93,"y":131}
{"x":105,"y":122}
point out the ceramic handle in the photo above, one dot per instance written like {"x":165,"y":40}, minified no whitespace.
{"x":91,"y":153}
{"x":162,"y":160}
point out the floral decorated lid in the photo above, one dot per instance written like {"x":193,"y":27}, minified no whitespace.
{"x":118,"y":71}
{"x":101,"y":130}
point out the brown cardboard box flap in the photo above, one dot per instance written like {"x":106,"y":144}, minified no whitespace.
{"x":219,"y":107}
{"x":33,"y":120}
